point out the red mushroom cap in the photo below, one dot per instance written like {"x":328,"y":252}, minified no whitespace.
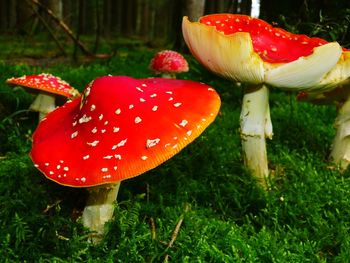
{"x":120,"y":128}
{"x":168,"y":61}
{"x":246,"y":49}
{"x":272,"y":44}
{"x":45,"y":82}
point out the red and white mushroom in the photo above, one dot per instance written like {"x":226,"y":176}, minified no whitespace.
{"x":120,"y":128}
{"x":168,"y":63}
{"x":48,"y":88}
{"x":251,"y":51}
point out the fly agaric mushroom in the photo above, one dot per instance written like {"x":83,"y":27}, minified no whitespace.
{"x":250,"y":50}
{"x":48,"y":87}
{"x":101,"y":140}
{"x":337,"y":92}
{"x":168,"y":63}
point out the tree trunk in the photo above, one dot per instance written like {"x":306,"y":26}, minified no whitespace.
{"x":3,"y":15}
{"x":194,"y":9}
{"x":145,"y":19}
{"x":68,"y":12}
{"x":24,"y":12}
{"x":255,"y":8}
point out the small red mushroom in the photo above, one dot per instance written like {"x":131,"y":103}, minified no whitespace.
{"x":251,"y":51}
{"x":168,"y":63}
{"x":120,"y":128}
{"x":48,"y":87}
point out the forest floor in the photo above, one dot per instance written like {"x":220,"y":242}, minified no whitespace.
{"x":227,"y":217}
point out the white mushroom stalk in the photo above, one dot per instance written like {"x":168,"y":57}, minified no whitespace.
{"x":340,"y":153}
{"x":256,"y":125}
{"x":43,"y":103}
{"x":99,"y":209}
{"x":251,"y":51}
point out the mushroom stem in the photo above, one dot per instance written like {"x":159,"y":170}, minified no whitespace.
{"x":43,"y":103}
{"x":99,"y":209}
{"x":168,"y":75}
{"x":340,"y":153}
{"x":256,"y":125}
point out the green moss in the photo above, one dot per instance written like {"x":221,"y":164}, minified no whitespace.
{"x":304,"y":217}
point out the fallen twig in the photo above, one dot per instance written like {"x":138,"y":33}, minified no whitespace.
{"x":176,"y":231}
{"x":49,"y":207}
{"x":64,"y":26}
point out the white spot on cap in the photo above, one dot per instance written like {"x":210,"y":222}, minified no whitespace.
{"x":104,"y":170}
{"x":74,"y":134}
{"x":138,"y":120}
{"x":139,"y":89}
{"x":151,"y":143}
{"x":58,"y":166}
{"x":83,"y":179}
{"x":93,"y":107}
{"x":108,"y":157}
{"x":94,"y":130}
{"x":153,"y":95}
{"x":115,"y":168}
{"x":171,"y":98}
{"x":131,"y":106}
{"x":144,"y":157}
{"x":51,"y":172}
{"x":46,"y":164}
{"x":84,"y":119}
{"x":116,"y":129}
{"x":183,"y":123}
{"x":118,"y":156}
{"x":169,"y":92}
{"x":74,"y":123}
{"x":189,"y":132}
{"x":155,"y":108}
{"x":144,"y":85}
{"x":36,"y":165}
{"x":100,"y":117}
{"x":105,"y":123}
{"x":94,"y":143}
{"x":211,"y":89}
{"x":122,"y":143}
{"x":178,"y":104}
{"x":142,"y":100}
{"x":103,"y":130}
{"x":118,"y":111}
{"x":66,"y":168}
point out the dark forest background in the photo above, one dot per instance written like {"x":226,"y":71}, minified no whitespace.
{"x":158,"y":22}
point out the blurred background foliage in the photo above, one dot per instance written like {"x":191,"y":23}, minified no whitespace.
{"x":106,"y":25}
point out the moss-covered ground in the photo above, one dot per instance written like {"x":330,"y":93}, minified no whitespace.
{"x":303,"y":217}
